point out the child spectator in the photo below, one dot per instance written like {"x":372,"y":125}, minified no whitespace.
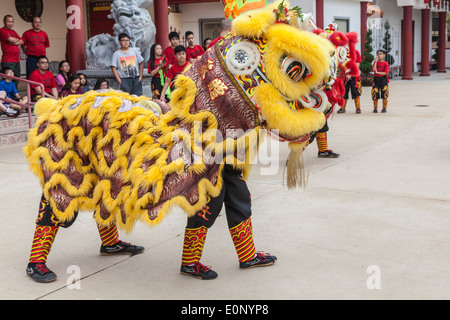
{"x":83,"y":83}
{"x":169,"y":52}
{"x":63,"y":76}
{"x":127,"y":65}
{"x":35,"y":43}
{"x":380,"y":87}
{"x":5,"y":108}
{"x":72,"y":86}
{"x":11,"y":91}
{"x":101,"y":84}
{"x":156,"y":70}
{"x":42,"y":75}
{"x":179,"y":67}
{"x":206,"y":43}
{"x":192,"y":50}
{"x":10,"y":42}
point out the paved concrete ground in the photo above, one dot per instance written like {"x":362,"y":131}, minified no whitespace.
{"x":372,"y":224}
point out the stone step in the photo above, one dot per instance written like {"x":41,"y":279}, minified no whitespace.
{"x":14,"y":130}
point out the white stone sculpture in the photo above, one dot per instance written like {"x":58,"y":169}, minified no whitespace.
{"x":132,"y":18}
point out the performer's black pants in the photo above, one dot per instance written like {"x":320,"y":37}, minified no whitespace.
{"x":234,"y":194}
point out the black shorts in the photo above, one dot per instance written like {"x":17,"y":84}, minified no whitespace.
{"x":380,"y":88}
{"x":352,"y":86}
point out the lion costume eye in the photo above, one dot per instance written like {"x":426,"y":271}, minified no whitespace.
{"x":295,"y":69}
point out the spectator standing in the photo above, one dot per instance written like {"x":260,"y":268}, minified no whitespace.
{"x":192,"y":50}
{"x":44,"y":76}
{"x":63,"y":75}
{"x":10,"y":42}
{"x":35,"y":43}
{"x":155,"y":69}
{"x":380,"y":86}
{"x":127,"y":65}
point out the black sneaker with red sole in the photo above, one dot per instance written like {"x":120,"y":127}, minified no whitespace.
{"x":40,"y":273}
{"x":261,"y":260}
{"x":198,"y":271}
{"x":121,"y":247}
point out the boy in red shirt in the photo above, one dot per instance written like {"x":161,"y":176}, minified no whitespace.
{"x":380,"y":87}
{"x":35,"y":43}
{"x":192,"y":50}
{"x":180,"y":65}
{"x":10,"y":42}
{"x":42,"y":75}
{"x":169,"y":52}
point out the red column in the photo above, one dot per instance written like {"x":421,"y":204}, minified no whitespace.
{"x":442,"y":42}
{"x":162,"y":22}
{"x":407,"y":43}
{"x":76,"y":43}
{"x":425,"y":63}
{"x":363,"y":26}
{"x":319,"y":14}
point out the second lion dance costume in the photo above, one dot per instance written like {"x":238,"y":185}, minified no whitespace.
{"x":131,"y":159}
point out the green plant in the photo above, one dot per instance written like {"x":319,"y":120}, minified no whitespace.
{"x":388,"y":43}
{"x":366,"y":64}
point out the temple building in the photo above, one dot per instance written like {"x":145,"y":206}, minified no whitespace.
{"x":418,"y":29}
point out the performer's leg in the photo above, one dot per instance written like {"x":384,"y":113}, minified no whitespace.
{"x":112,"y":245}
{"x":195,"y":237}
{"x":346,"y":96}
{"x":358,"y":104}
{"x":322,"y":144}
{"x":47,"y":226}
{"x":385,"y":95}
{"x":342,"y":109}
{"x":375,"y":93}
{"x":238,"y":211}
{"x":385,"y":104}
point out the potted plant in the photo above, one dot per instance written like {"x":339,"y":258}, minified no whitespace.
{"x":366,"y":65}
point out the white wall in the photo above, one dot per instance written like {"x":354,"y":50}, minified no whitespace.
{"x":192,"y":13}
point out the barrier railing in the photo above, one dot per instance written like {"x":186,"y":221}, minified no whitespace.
{"x":29,"y":103}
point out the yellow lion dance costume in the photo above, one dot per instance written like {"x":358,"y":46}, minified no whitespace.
{"x":130,"y":158}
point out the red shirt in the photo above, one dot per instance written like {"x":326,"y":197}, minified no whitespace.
{"x":36,"y":42}
{"x":47,"y":79}
{"x":382,"y":66}
{"x":176,"y":69}
{"x":193,"y":53}
{"x":65,"y":93}
{"x":150,"y":69}
{"x":10,"y":51}
{"x":169,"y":52}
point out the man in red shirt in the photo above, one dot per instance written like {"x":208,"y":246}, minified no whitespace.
{"x":10,"y":42}
{"x":42,"y":75}
{"x":192,"y":50}
{"x":380,"y":87}
{"x":178,"y":67}
{"x":35,"y":42}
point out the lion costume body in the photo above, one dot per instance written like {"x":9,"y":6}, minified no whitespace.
{"x":130,"y":158}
